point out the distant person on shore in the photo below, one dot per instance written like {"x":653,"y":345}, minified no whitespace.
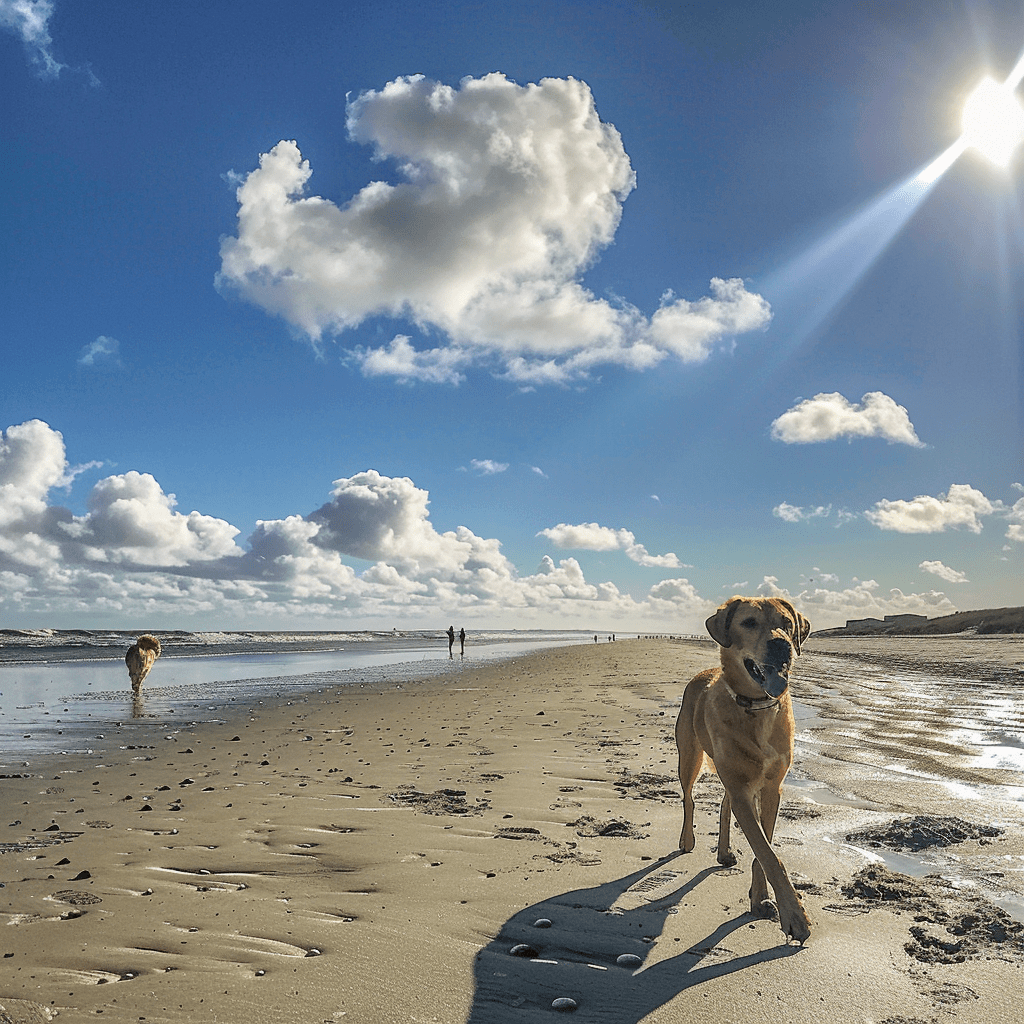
{"x":451,"y":640}
{"x":462,"y":642}
{"x":140,"y":659}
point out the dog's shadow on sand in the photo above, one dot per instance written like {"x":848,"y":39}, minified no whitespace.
{"x":576,"y":956}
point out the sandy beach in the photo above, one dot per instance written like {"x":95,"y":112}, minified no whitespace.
{"x":377,"y":853}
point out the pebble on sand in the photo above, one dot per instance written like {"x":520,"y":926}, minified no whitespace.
{"x":564,"y":1003}
{"x":522,"y":949}
{"x":628,"y":960}
{"x":542,"y":922}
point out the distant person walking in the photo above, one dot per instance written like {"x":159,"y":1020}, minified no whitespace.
{"x":462,"y":642}
{"x":451,"y":640}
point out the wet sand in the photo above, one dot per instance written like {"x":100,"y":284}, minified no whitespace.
{"x":374,"y":854}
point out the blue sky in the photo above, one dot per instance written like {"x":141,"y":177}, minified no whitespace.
{"x":331,"y":315}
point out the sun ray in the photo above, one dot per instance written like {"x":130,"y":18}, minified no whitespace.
{"x":811,"y":286}
{"x":808,"y":289}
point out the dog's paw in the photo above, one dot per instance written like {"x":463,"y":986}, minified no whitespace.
{"x":797,"y":926}
{"x":727,"y":859}
{"x":765,"y":909}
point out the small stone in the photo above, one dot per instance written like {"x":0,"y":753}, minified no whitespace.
{"x":80,"y":876}
{"x":522,"y":949}
{"x":628,"y":960}
{"x":564,"y":1003}
{"x":313,"y":951}
{"x":542,"y":922}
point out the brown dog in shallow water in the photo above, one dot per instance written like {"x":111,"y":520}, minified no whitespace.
{"x":140,"y":659}
{"x":741,"y":717}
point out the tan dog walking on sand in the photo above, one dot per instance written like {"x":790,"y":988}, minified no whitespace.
{"x":741,"y":717}
{"x":140,"y":659}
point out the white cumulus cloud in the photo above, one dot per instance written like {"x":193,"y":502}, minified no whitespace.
{"x":828,"y":416}
{"x":407,"y":364}
{"x":827,"y":607}
{"x":593,"y":537}
{"x":961,"y":506}
{"x":505,"y":195}
{"x":944,"y":572}
{"x":1015,"y":531}
{"x":131,"y":519}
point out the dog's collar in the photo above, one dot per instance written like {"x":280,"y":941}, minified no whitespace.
{"x":752,"y":703}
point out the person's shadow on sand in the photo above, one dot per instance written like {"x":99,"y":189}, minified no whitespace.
{"x":576,"y":955}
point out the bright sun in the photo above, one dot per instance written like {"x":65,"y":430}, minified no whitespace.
{"x":993,"y":121}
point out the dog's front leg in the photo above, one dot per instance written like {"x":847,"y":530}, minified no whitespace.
{"x":768,"y":805}
{"x":792,"y":916}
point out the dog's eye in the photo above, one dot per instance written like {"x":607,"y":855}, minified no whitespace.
{"x":749,"y":623}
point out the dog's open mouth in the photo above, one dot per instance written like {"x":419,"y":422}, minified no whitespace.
{"x":769,"y":678}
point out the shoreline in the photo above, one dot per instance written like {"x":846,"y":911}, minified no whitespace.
{"x":370,"y":853}
{"x":78,"y":705}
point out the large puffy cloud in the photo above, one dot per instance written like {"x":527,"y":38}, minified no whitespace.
{"x":593,"y":537}
{"x":961,"y":506}
{"x":828,"y":416}
{"x":130,"y":519}
{"x":381,"y":518}
{"x":507,"y":194}
{"x":32,"y":461}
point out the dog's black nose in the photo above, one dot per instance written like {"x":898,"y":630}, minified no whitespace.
{"x":780,"y":652}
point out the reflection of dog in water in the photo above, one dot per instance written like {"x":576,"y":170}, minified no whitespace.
{"x":140,"y":659}
{"x":741,"y":718}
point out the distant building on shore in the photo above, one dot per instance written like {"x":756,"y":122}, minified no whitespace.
{"x":889,"y":622}
{"x":984,"y":622}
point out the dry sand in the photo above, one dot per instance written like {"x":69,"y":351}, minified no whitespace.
{"x":374,"y":854}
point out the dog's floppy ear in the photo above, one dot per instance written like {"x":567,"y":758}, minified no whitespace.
{"x":719,"y":623}
{"x":803,"y":627}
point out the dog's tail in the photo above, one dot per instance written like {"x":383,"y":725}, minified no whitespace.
{"x":149,"y":643}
